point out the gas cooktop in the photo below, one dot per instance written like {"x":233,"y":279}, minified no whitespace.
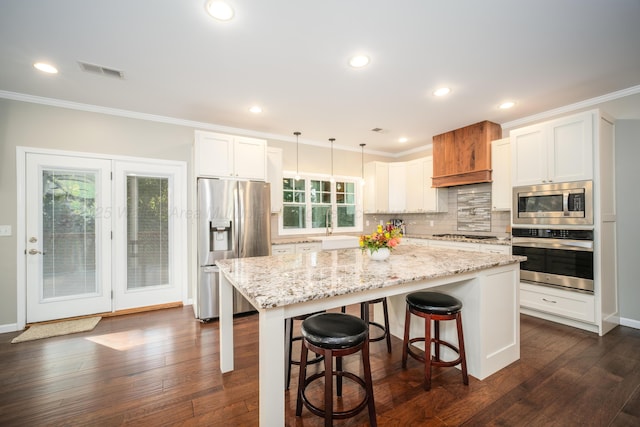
{"x":464,"y":236}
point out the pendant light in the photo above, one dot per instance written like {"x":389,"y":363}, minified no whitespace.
{"x":331,"y":140}
{"x":362,"y":182}
{"x":297,"y":134}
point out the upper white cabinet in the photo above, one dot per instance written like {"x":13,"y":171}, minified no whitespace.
{"x":397,"y":187}
{"x":274,"y":177}
{"x":501,"y":175}
{"x":415,"y":186}
{"x":402,"y":187}
{"x":435,"y":199}
{"x":229,"y":156}
{"x":376,"y":189}
{"x":556,"y":151}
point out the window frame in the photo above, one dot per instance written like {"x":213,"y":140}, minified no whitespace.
{"x":309,"y":230}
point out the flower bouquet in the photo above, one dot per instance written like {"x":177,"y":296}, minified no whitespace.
{"x":379,"y":243}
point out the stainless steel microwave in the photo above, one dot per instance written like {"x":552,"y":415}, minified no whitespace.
{"x":566,"y":203}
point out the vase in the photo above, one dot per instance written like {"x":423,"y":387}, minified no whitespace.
{"x":380,"y":255}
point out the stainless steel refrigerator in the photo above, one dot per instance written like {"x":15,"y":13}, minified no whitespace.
{"x":233,"y":222}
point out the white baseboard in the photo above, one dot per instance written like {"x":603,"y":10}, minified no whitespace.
{"x":630,"y":323}
{"x":12,"y":327}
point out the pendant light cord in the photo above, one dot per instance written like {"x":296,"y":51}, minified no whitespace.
{"x":332,"y":140}
{"x":362,"y":160}
{"x":297,"y":134}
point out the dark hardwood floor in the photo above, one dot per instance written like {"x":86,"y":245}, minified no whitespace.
{"x":161,"y":368}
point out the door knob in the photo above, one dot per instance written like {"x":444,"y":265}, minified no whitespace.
{"x":34,"y":252}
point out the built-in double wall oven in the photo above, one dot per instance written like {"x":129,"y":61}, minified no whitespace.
{"x":555,"y":257}
{"x":562,"y":254}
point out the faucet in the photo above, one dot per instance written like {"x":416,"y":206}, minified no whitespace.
{"x":328,"y":228}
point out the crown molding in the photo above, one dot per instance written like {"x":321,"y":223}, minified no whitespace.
{"x":175,"y":121}
{"x":589,"y":103}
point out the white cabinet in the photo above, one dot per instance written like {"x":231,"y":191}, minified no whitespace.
{"x":283,"y":249}
{"x":295,"y":248}
{"x":463,"y":246}
{"x":556,"y":151}
{"x":308,"y":247}
{"x":376,"y":189}
{"x":414,"y":186}
{"x":495,"y":249}
{"x":274,"y":177}
{"x":435,"y":199}
{"x":567,"y":304}
{"x":501,"y":175}
{"x":397,"y":187}
{"x":228,"y":156}
{"x":403,"y":187}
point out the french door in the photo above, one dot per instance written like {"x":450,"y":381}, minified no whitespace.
{"x":68,"y":249}
{"x":102,"y":235}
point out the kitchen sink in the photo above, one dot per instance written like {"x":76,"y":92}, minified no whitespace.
{"x":337,"y":242}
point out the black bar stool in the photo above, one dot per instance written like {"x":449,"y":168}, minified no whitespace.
{"x":434,"y":306}
{"x":288,"y":331}
{"x":335,"y":335}
{"x":364,"y":315}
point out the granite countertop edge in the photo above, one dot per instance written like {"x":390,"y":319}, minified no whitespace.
{"x":314,"y":239}
{"x":274,"y":281}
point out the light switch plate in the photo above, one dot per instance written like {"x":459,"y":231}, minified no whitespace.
{"x":5,"y":230}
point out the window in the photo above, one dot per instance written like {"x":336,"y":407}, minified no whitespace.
{"x":313,"y":203}
{"x":320,"y":203}
{"x":294,"y":207}
{"x":346,"y":203}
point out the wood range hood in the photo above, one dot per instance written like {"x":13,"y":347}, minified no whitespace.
{"x":463,"y":156}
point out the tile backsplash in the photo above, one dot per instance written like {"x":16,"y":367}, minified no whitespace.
{"x":469,"y":209}
{"x":474,"y":209}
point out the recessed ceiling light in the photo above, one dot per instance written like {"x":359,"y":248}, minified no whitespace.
{"x":45,"y":68}
{"x":403,"y":139}
{"x":359,"y":61}
{"x":219,"y":10}
{"x":442,"y":91}
{"x":256,"y":109}
{"x":506,"y":105}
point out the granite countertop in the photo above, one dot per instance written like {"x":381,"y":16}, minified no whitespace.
{"x":273,"y":281}
{"x":450,"y":238}
{"x":461,"y":238}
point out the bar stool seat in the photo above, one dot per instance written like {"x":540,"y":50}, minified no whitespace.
{"x":436,"y":307}
{"x":335,"y":335}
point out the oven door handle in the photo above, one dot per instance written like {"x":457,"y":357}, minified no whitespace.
{"x":563,"y":244}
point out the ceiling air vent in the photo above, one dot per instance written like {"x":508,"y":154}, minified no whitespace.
{"x":99,"y":69}
{"x":378,"y":130}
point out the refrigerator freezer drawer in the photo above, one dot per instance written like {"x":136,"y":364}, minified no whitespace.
{"x":208,"y":295}
{"x":208,"y":291}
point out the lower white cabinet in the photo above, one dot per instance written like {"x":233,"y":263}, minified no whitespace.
{"x":463,"y":246}
{"x":568,"y":304}
{"x":295,"y":248}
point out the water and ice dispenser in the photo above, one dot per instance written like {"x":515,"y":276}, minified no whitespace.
{"x":220,"y":235}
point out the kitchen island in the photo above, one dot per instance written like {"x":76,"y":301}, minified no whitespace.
{"x":280,"y":287}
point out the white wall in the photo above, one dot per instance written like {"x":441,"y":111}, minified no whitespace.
{"x":41,"y":126}
{"x":628,"y":209}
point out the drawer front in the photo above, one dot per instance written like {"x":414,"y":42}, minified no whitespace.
{"x":308,"y":247}
{"x":569,"y":304}
{"x":455,"y":245}
{"x":283,"y":249}
{"x":496,"y":249}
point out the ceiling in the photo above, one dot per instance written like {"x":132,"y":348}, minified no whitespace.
{"x":291,"y":58}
